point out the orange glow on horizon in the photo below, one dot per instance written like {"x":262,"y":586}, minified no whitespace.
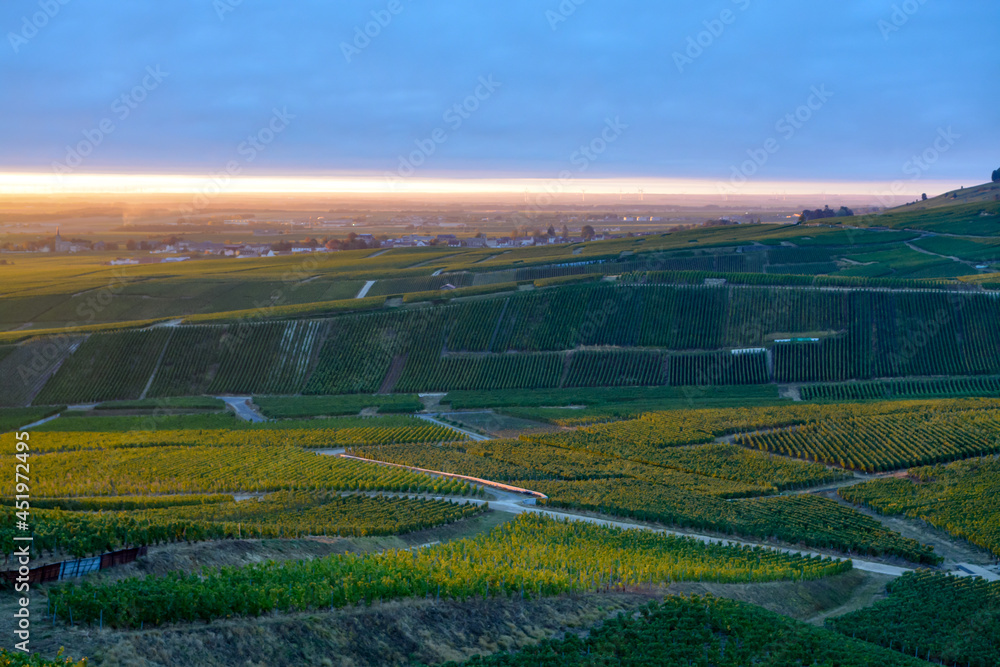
{"x":209,"y":186}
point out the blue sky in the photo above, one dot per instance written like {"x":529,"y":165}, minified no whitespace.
{"x":561,"y":71}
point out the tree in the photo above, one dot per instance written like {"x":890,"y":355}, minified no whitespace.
{"x":565,"y":232}
{"x":923,"y":197}
{"x":588,"y":232}
{"x":996,"y":176}
{"x":130,"y":245}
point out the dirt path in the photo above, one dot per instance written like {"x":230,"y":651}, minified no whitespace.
{"x":512,"y":500}
{"x":934,"y":254}
{"x":956,"y":552}
{"x":244,"y":410}
{"x":364,"y":290}
{"x":472,"y":436}
{"x":156,"y":369}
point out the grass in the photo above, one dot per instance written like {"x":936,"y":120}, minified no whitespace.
{"x":284,"y":407}
{"x":212,"y":289}
{"x":173,"y":403}
{"x":78,"y":420}
{"x":12,"y":418}
{"x":958,"y":219}
{"x":88,"y":421}
{"x":602,"y":404}
{"x":973,"y":250}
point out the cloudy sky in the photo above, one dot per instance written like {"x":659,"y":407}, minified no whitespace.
{"x":653,"y":88}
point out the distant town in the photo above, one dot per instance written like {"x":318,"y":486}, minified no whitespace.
{"x":319,"y":235}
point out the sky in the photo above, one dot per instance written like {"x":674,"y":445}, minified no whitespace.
{"x":730,"y":92}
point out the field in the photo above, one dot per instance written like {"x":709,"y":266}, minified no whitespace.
{"x":957,"y":498}
{"x":284,"y":514}
{"x":216,"y":468}
{"x":803,"y":519}
{"x":611,"y":470}
{"x":560,"y":337}
{"x":934,"y":433}
{"x":695,"y":630}
{"x":107,"y":367}
{"x":12,"y":418}
{"x":940,"y":618}
{"x":334,"y":406}
{"x":529,"y":557}
{"x":926,"y":388}
{"x":771,"y":392}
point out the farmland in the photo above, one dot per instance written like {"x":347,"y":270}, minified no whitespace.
{"x":684,"y":630}
{"x":117,"y":365}
{"x":281,"y":514}
{"x":169,"y":469}
{"x":529,"y":557}
{"x":881,"y":442}
{"x":565,"y":336}
{"x":798,"y":389}
{"x":935,"y":617}
{"x":958,"y":498}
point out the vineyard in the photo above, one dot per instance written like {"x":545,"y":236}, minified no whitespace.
{"x":358,"y":351}
{"x":264,"y":358}
{"x":879,"y":443}
{"x":801,"y":519}
{"x":719,"y":368}
{"x":622,"y":334}
{"x":888,"y":389}
{"x":519,"y":461}
{"x":681,"y":427}
{"x":722,"y":470}
{"x":959,"y":498}
{"x":248,"y":468}
{"x":699,"y":631}
{"x":315,"y":438}
{"x":106,"y":367}
{"x":507,"y":371}
{"x":283,"y":514}
{"x":955,"y":621}
{"x":614,"y":369}
{"x":640,"y":469}
{"x":530,"y":556}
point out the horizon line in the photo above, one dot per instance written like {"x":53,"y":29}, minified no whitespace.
{"x":207,"y":186}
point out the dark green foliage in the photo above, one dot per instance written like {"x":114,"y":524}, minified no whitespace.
{"x":191,"y":362}
{"x":496,"y":371}
{"x":112,"y":366}
{"x":12,"y":418}
{"x":922,"y":388}
{"x":618,"y":368}
{"x":699,"y":631}
{"x":938,"y":617}
{"x":718,"y":368}
{"x":331,"y":406}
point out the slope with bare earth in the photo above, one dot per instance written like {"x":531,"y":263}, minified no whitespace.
{"x":420,"y":631}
